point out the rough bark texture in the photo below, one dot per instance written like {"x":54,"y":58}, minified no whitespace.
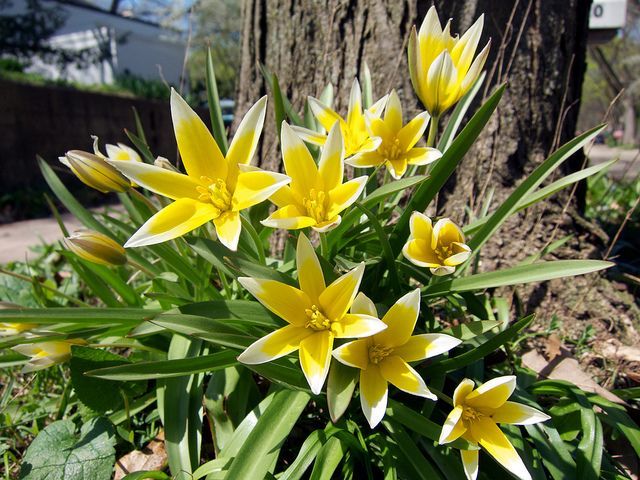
{"x":538,"y":47}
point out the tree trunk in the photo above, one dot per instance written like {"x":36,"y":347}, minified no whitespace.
{"x":538,"y":47}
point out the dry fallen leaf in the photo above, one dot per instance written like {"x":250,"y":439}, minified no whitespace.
{"x":152,"y":457}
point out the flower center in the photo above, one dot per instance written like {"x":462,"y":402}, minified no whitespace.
{"x":315,"y":204}
{"x":216,"y":193}
{"x":378,"y":352}
{"x":444,"y":251}
{"x":390,"y":150}
{"x":469,"y":414}
{"x":316,"y":319}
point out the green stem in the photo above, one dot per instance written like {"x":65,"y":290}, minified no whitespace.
{"x":64,"y":401}
{"x":324,"y":246}
{"x":433,"y":131}
{"x":441,"y":396}
{"x":246,"y":224}
{"x":225,"y":284}
{"x":75,"y":301}
{"x":140,"y":267}
{"x":142,"y":198}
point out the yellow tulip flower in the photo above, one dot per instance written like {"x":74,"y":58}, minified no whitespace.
{"x":214,"y":188}
{"x":96,"y":247}
{"x":354,"y":129}
{"x":122,"y":152}
{"x":94,"y":171}
{"x":439,"y":247}
{"x":46,"y":354}
{"x":475,"y":416}
{"x":398,"y":147}
{"x":384,"y":357}
{"x":316,"y":195}
{"x":442,"y":67}
{"x":316,"y":314}
{"x":7,"y":329}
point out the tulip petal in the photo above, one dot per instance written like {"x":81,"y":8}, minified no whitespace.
{"x":393,"y":112}
{"x":355,"y":117}
{"x":354,"y":354}
{"x":373,"y":394}
{"x":315,"y":357}
{"x":354,"y":325}
{"x":200,"y":152}
{"x":345,"y":195}
{"x":310,"y":274}
{"x":228,"y":228}
{"x":283,"y":197}
{"x":464,"y":388}
{"x":518,"y":414}
{"x":498,"y":446}
{"x":453,"y":427}
{"x":331,"y":165}
{"x":464,"y":50}
{"x":159,"y":180}
{"x":419,"y":252}
{"x":327,"y":225}
{"x":420,"y":226}
{"x":376,"y":109}
{"x":422,"y":155}
{"x":492,"y":394}
{"x":399,"y":373}
{"x":397,"y":168}
{"x":325,"y":115}
{"x":174,"y":220}
{"x":290,"y":217}
{"x":401,"y":320}
{"x":446,"y":232}
{"x":338,"y":297}
{"x":475,"y":69}
{"x":470,"y":463}
{"x":275,"y":345}
{"x":245,"y":141}
{"x":309,"y":136}
{"x":365,"y":159}
{"x":363,"y":304}
{"x":426,"y":345}
{"x":255,"y":187}
{"x":287,"y":302}
{"x":413,"y":131}
{"x":298,"y":163}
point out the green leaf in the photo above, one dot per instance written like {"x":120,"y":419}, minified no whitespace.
{"x":213,"y":330}
{"x":510,"y":205}
{"x":412,"y":453}
{"x":57,"y":453}
{"x":536,"y":272}
{"x":141,"y":145}
{"x":167,"y":368}
{"x":328,"y":459}
{"x":262,"y":446}
{"x":246,"y":311}
{"x":482,"y":350}
{"x":78,"y":316}
{"x":217,"y":125}
{"x":307,"y":453}
{"x":270,"y":79}
{"x":445,"y":166}
{"x":340,"y":386}
{"x":147,"y":474}
{"x":467,"y":331}
{"x":98,"y":394}
{"x":278,"y":104}
{"x":367,"y":87}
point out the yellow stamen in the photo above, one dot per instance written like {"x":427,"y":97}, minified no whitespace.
{"x":390,"y":150}
{"x":317,"y":321}
{"x":378,"y":352}
{"x":469,"y":414}
{"x":443,"y":252}
{"x":216,"y":193}
{"x":315,"y":205}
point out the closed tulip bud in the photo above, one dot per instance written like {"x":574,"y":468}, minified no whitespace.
{"x":96,"y":248}
{"x":8,"y":329}
{"x":46,"y":354}
{"x":442,"y":67}
{"x":93,"y":171}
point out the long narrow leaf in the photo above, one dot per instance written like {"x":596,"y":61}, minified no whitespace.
{"x":217,"y":125}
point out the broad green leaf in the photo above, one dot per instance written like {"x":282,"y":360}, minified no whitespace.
{"x":58,"y":453}
{"x":262,"y":446}
{"x":536,"y":272}
{"x":411,"y":452}
{"x":467,"y":331}
{"x":307,"y":453}
{"x":510,"y":205}
{"x":98,"y":394}
{"x":217,"y":125}
{"x":282,"y":372}
{"x":618,"y":418}
{"x":553,"y":451}
{"x":213,"y":330}
{"x":482,"y":350}
{"x":167,"y":368}
{"x":245,"y":311}
{"x":328,"y":459}
{"x":444,"y":167}
{"x":340,"y":386}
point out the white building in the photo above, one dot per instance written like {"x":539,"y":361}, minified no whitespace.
{"x":135,"y":46}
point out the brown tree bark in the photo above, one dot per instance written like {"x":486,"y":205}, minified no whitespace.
{"x":538,"y":47}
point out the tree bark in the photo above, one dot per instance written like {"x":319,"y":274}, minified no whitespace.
{"x":538,"y":48}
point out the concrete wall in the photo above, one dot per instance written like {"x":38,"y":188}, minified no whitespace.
{"x":50,"y":121}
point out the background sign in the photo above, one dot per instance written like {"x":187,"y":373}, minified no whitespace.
{"x":608,"y":14}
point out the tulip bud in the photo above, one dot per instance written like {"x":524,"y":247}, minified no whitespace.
{"x":95,"y":172}
{"x":46,"y":354}
{"x":96,"y":247}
